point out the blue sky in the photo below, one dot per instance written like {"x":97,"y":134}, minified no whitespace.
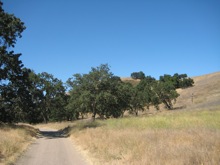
{"x":64,"y":37}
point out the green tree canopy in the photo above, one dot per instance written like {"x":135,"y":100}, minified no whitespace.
{"x":11,"y":27}
{"x":98,"y":92}
{"x":156,"y":92}
{"x":138,"y":75}
{"x":166,"y":93}
{"x":53,"y":97}
{"x":13,"y":76}
{"x":178,"y":80}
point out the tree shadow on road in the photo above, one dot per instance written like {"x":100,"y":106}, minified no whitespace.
{"x":63,"y":133}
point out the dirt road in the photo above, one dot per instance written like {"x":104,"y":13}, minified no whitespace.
{"x":52,"y":148}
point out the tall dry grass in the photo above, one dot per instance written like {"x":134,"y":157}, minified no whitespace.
{"x":172,"y":138}
{"x":14,"y":139}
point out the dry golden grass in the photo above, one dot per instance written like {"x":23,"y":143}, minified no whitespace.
{"x":14,"y":140}
{"x":172,"y":138}
{"x":130,"y":80}
{"x":206,"y":93}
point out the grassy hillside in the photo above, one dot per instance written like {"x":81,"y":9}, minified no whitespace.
{"x":131,"y":81}
{"x":206,"y":93}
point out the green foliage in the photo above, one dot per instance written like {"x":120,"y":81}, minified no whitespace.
{"x":145,"y":87}
{"x":99,"y":92}
{"x":166,"y":93}
{"x":11,"y":27}
{"x":13,"y":77}
{"x":156,"y":92}
{"x":138,"y":75}
{"x":178,"y":80}
{"x":152,"y":92}
{"x":136,"y":101}
{"x":52,"y":97}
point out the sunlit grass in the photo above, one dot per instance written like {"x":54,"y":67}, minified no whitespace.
{"x":204,"y":119}
{"x":170,"y":138}
{"x":14,"y":140}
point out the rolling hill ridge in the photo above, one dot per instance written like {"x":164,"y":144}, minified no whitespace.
{"x":205,"y":94}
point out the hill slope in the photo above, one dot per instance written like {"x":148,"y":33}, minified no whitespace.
{"x":204,"y":94}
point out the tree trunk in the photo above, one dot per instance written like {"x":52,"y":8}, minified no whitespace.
{"x":93,"y":116}
{"x":45,"y":119}
{"x":93,"y":111}
{"x":136,"y":112}
{"x":167,"y":105}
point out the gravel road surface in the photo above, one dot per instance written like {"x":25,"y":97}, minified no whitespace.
{"x":52,"y":148}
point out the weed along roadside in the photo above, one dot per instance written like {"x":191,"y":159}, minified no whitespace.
{"x":14,"y":140}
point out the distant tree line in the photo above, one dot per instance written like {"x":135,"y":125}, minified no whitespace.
{"x":178,"y":80}
{"x":26,"y":96}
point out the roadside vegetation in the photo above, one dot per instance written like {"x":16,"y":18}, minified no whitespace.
{"x":14,"y":140}
{"x":171,"y":138}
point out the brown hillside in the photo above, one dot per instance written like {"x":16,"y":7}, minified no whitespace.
{"x":204,"y":94}
{"x":130,"y":80}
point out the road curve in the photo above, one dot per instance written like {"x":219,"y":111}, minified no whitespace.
{"x":51,"y":148}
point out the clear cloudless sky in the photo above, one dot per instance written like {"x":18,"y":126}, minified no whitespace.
{"x":64,"y":37}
